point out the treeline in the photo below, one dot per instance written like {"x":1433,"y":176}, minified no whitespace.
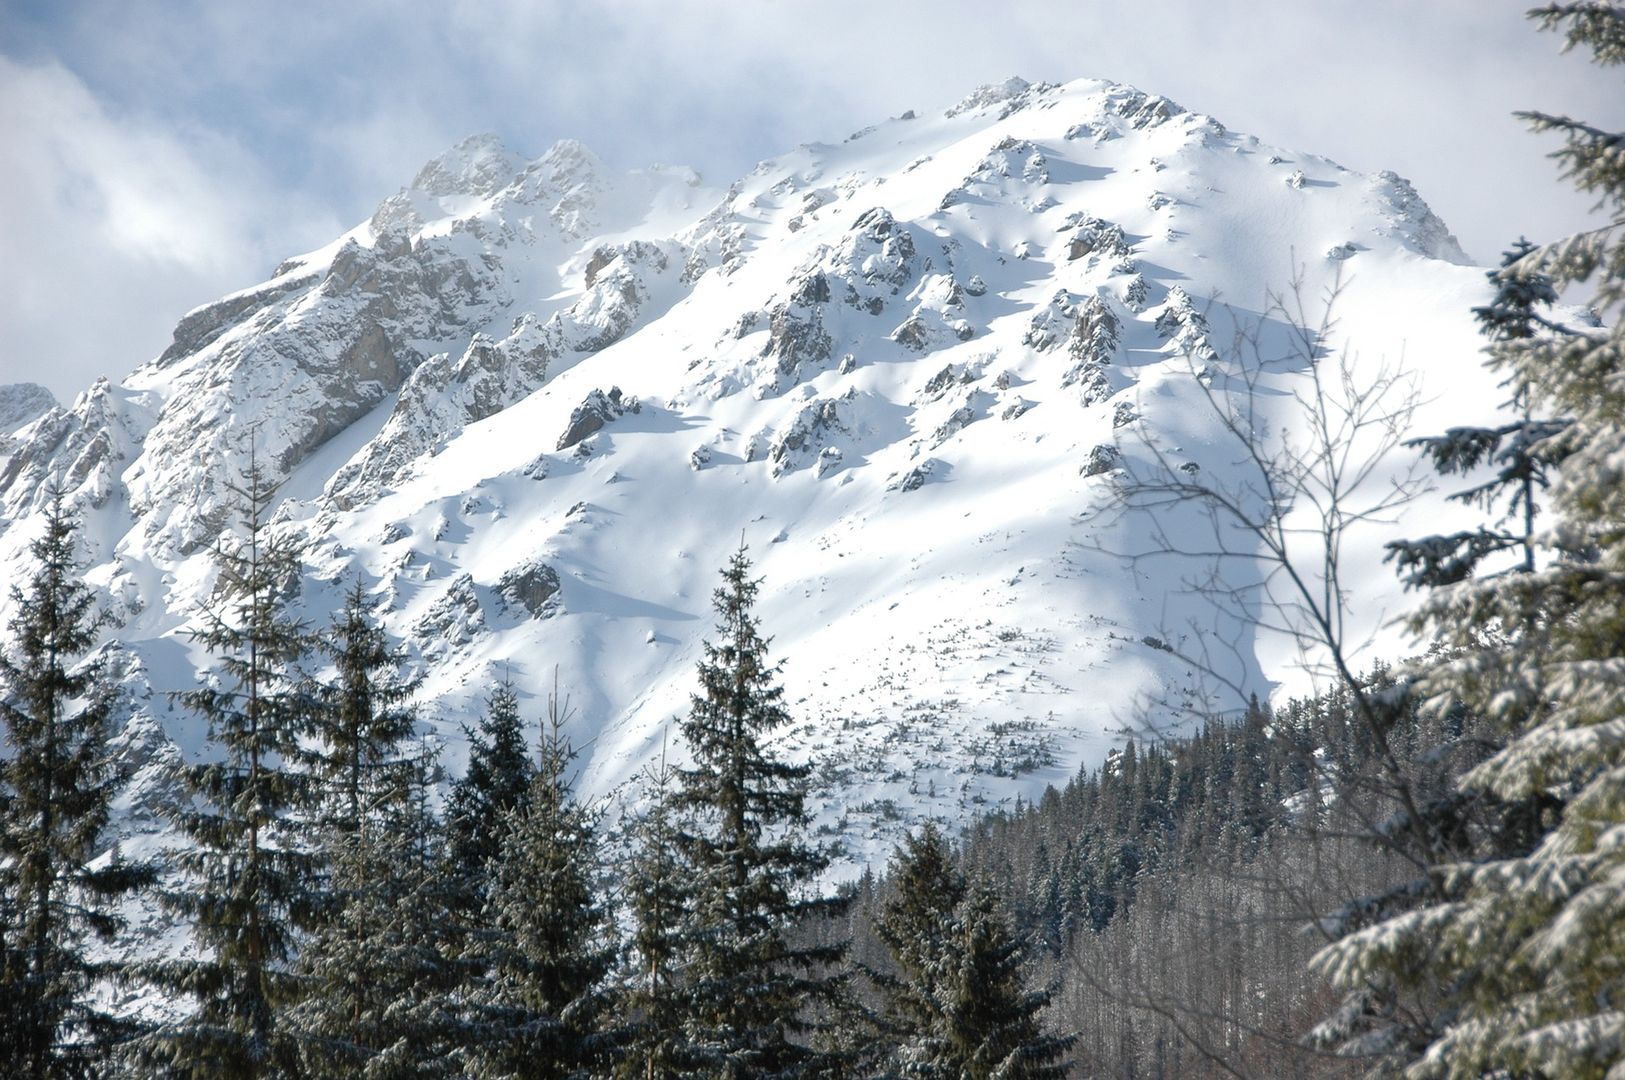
{"x":343,"y":926}
{"x":1168,"y":897}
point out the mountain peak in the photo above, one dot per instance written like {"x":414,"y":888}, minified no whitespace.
{"x":22,"y":402}
{"x":991,"y":94}
{"x":478,"y":165}
{"x":566,"y":163}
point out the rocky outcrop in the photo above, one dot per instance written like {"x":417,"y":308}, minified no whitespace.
{"x":1141,"y":110}
{"x":1185,"y":327}
{"x":82,"y":450}
{"x":479,"y":165}
{"x":1102,"y":459}
{"x":1093,"y":345}
{"x":1102,"y":239}
{"x":444,"y":394}
{"x":23,"y":402}
{"x":819,"y":433}
{"x":1411,"y":221}
{"x":596,"y":410}
{"x":874,"y":260}
{"x":532,"y":587}
{"x":455,"y":617}
{"x":918,"y":476}
{"x":1051,"y":324}
{"x":1001,"y":98}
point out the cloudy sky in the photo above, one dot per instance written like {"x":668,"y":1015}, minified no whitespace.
{"x":159,"y":154}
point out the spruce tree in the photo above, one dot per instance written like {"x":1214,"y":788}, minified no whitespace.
{"x":481,"y":802}
{"x":380,"y":985}
{"x":370,"y":973}
{"x":362,"y":722}
{"x":245,"y":880}
{"x":1528,"y":950}
{"x":56,"y":784}
{"x":915,"y":926}
{"x":958,"y":1009}
{"x":1523,"y":452}
{"x":542,"y":1009}
{"x":993,"y":1028}
{"x":657,"y":898}
{"x":754,"y":875}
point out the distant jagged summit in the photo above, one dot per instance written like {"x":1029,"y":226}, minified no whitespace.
{"x":479,"y":165}
{"x":22,"y":402}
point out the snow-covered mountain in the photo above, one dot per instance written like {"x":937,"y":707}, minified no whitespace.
{"x":533,"y":405}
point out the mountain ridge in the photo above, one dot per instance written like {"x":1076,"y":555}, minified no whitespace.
{"x":530,"y":405}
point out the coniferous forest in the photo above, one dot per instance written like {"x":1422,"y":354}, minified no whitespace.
{"x":1417,"y":871}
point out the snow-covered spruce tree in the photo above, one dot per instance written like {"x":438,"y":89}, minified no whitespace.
{"x":993,"y":1031}
{"x":56,"y":784}
{"x":361,"y":723}
{"x":1530,"y":948}
{"x":657,"y":897}
{"x":542,"y":1010}
{"x":748,"y":988}
{"x":1392,"y":1013}
{"x":958,"y":1008}
{"x":915,"y":927}
{"x":367,"y":975}
{"x":1523,"y":452}
{"x":379,"y":984}
{"x":243,"y":881}
{"x":496,"y":781}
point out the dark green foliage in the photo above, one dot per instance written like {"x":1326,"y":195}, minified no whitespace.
{"x":244,"y":882}
{"x":1165,"y":893}
{"x":374,"y":976}
{"x":542,"y":1010}
{"x":361,"y":722}
{"x":496,"y":782}
{"x":957,"y":1007}
{"x":752,"y":873}
{"x":380,"y":985}
{"x":1154,"y":807}
{"x":1523,"y":452}
{"x":657,"y":897}
{"x":915,"y":925}
{"x":991,"y":1024}
{"x":56,"y":784}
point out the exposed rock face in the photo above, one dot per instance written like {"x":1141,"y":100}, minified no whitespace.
{"x":81,"y":449}
{"x":1185,"y":327}
{"x":1052,"y":323}
{"x":1006,"y":97}
{"x":479,"y":165}
{"x":1102,"y":459}
{"x":1099,"y":238}
{"x":455,"y":618}
{"x":22,"y":402}
{"x":805,"y":434}
{"x":918,"y":476}
{"x":338,"y":333}
{"x":1093,"y":346}
{"x":596,"y":410}
{"x":533,"y":587}
{"x":874,"y":260}
{"x":437,"y":400}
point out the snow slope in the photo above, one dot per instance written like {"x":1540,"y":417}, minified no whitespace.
{"x":532,"y":406}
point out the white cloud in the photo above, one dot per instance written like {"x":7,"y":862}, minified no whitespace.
{"x":113,"y":227}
